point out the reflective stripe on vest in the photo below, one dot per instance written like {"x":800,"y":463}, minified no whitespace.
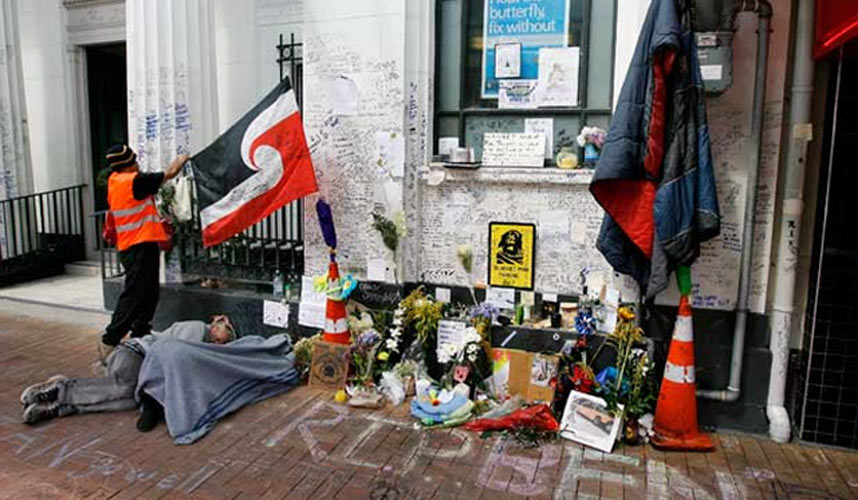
{"x":137,"y":221}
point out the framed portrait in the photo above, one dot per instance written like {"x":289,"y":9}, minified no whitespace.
{"x":512,"y":248}
{"x":587,"y":420}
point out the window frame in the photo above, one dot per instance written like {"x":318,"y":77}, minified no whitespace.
{"x":463,"y":112}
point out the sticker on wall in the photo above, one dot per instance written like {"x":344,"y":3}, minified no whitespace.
{"x":512,"y":248}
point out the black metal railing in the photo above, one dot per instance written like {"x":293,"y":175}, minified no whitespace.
{"x":39,"y":233}
{"x":276,"y":242}
{"x":110,"y":266}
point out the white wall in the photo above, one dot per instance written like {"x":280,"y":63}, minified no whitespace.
{"x":246,"y":34}
{"x":48,"y":84}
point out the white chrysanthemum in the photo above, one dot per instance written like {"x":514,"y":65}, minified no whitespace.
{"x":391,"y":344}
{"x":472,"y":348}
{"x":471,"y":335}
{"x":472,"y":358}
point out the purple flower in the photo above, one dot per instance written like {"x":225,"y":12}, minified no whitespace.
{"x":484,"y":311}
{"x":367,"y":339}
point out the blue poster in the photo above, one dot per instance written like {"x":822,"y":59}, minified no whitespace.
{"x":532,"y":23}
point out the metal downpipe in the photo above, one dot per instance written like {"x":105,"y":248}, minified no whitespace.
{"x":764,"y":14}
{"x":781,"y":319}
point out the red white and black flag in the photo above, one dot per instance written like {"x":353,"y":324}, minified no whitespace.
{"x":260,"y":164}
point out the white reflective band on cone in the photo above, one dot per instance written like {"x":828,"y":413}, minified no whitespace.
{"x":679,"y":374}
{"x":682,"y":331}
{"x":338,"y":326}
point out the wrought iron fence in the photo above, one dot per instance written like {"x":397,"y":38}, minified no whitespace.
{"x":39,"y":233}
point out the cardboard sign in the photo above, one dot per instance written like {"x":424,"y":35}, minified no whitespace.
{"x":524,"y":373}
{"x":513,"y":150}
{"x":511,"y":250}
{"x":328,"y":367}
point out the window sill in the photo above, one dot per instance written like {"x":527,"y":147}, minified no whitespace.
{"x":436,"y":174}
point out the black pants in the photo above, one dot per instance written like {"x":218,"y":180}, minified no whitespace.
{"x":139,"y":298}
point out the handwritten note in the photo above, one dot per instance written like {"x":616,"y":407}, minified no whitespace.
{"x":309,"y":293}
{"x":449,"y":333}
{"x":376,"y":269}
{"x":542,"y":126}
{"x":513,"y":150}
{"x":442,"y":295}
{"x":502,"y":298}
{"x":342,"y":94}
{"x":275,"y":314}
{"x":311,"y":315}
{"x":554,"y":223}
{"x":390,"y":153}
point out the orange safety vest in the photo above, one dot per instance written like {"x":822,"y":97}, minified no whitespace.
{"x":137,"y":221}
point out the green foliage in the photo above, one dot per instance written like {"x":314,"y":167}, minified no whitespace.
{"x":388,"y":230}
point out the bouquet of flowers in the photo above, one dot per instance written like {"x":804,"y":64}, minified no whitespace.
{"x":482,"y":316}
{"x":361,"y":355}
{"x":592,"y":135}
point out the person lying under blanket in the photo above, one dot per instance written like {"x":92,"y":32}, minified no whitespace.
{"x":60,"y":396}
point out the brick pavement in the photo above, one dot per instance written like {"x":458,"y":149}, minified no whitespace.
{"x":303,"y":445}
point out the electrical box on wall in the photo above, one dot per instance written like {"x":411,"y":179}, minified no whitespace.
{"x":715,"y":52}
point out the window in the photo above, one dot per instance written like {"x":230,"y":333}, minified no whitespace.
{"x":460,"y":109}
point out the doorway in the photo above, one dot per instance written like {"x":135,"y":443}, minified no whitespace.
{"x":108,"y":110}
{"x":830,"y":407}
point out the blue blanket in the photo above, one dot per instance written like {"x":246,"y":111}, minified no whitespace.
{"x":199,"y":383}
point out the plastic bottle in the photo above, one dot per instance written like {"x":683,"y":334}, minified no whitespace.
{"x":277,"y":284}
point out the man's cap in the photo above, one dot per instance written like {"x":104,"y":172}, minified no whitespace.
{"x":120,"y":157}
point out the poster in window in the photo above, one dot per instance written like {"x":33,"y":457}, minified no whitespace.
{"x":558,"y":76}
{"x":533,"y":24}
{"x":507,"y":60}
{"x":512,"y":247}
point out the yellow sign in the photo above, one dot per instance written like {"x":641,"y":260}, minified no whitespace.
{"x":511,"y":250}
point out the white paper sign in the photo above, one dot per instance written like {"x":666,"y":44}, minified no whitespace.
{"x":376,"y":270}
{"x":558,"y":76}
{"x":542,"y":126}
{"x":309,"y":293}
{"x":554,"y":223}
{"x":342,"y":94}
{"x":513,"y":150}
{"x":390,"y":153}
{"x":517,"y":94}
{"x":587,"y":420}
{"x":507,"y":60}
{"x":502,"y":298}
{"x":528,"y":298}
{"x":275,"y":314}
{"x":449,"y":333}
{"x":578,"y":233}
{"x":311,"y":315}
{"x":442,"y":295}
{"x":446,"y":145}
{"x":711,"y":71}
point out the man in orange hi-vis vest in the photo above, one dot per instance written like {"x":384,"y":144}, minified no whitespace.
{"x":139,"y":231}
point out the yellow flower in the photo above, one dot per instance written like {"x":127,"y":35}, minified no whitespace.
{"x":626,"y":313}
{"x":383,"y":356}
{"x":340,"y":396}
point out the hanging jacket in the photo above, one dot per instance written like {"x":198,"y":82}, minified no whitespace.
{"x":655,"y":176}
{"x":137,"y":221}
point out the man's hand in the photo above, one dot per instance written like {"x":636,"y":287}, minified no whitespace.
{"x":175,"y":167}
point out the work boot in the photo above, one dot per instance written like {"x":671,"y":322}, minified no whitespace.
{"x":43,"y":392}
{"x":150,"y":414}
{"x":104,"y":351}
{"x":40,"y":412}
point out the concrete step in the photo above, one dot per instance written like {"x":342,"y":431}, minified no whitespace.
{"x":84,"y":268}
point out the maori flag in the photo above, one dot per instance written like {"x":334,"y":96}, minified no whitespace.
{"x":260,"y":164}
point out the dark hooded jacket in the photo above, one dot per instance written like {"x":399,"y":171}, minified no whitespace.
{"x":655,"y":176}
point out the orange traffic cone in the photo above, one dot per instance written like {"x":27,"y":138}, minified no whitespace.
{"x":336,"y":326}
{"x":676,"y":413}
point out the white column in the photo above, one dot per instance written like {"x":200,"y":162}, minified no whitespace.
{"x":172,"y":80}
{"x":15,"y":174}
